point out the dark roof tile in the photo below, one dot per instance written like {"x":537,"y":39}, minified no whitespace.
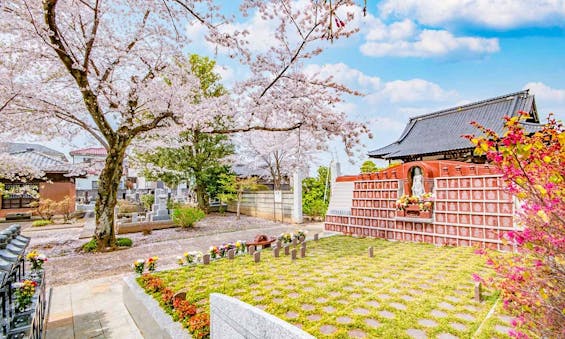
{"x":443,"y":130}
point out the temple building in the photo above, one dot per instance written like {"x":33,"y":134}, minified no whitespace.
{"x":439,"y":192}
{"x":438,"y":135}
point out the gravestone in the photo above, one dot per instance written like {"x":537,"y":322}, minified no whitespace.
{"x":303,"y":251}
{"x":316,"y":237}
{"x":293,"y":254}
{"x":231,"y":254}
{"x":257,"y":256}
{"x":206,"y":259}
{"x":279,"y":243}
{"x":286,"y":250}
{"x":294,"y":241}
{"x":371,"y":253}
{"x":478,"y":288}
{"x":251,"y":249}
{"x":159,"y":209}
{"x":276,"y":252}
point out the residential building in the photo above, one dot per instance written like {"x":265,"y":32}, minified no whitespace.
{"x":58,"y":183}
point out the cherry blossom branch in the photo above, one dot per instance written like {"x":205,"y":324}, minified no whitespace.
{"x":4,"y":105}
{"x":80,"y":76}
{"x":292,"y":60}
{"x":257,"y":128}
{"x":93,"y":32}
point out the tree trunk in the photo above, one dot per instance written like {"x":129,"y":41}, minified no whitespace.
{"x":202,"y":197}
{"x":108,"y":184}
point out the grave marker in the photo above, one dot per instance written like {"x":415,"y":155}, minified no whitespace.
{"x":316,"y":237}
{"x":206,"y":259}
{"x":251,"y":249}
{"x":231,"y":254}
{"x":293,"y":254}
{"x":276,"y":252}
{"x":478,"y":289}
{"x":257,"y":256}
{"x":371,"y":252}
{"x":286,"y":250}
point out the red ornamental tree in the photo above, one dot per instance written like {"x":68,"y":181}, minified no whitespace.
{"x":532,"y":279}
{"x":111,"y":69}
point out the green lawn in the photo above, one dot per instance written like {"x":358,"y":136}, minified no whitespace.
{"x":406,"y":288}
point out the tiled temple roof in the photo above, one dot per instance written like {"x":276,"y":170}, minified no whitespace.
{"x":442,"y":131}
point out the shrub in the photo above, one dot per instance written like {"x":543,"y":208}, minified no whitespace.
{"x":124,"y":242}
{"x":147,"y":200}
{"x":125,"y":206}
{"x":184,"y":308}
{"x":318,"y":208}
{"x":89,"y":246}
{"x":42,"y":222}
{"x":199,"y":325}
{"x":187,"y":216}
{"x":65,"y":207}
{"x":46,"y":208}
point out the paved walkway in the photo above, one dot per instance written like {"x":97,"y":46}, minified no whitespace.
{"x":90,"y":309}
{"x":94,"y":308}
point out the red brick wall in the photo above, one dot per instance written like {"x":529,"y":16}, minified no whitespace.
{"x":471,"y":208}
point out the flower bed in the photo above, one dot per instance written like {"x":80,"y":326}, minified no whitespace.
{"x":337,"y":289}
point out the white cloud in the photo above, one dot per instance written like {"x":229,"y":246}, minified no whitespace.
{"x":404,"y":39}
{"x":410,"y":91}
{"x":227,"y":73}
{"x":378,"y":91}
{"x":500,"y":14}
{"x":548,"y":100}
{"x":345,"y":75}
{"x":544,"y":92}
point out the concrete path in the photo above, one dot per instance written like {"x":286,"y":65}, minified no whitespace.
{"x":90,"y":309}
{"x":94,"y":308}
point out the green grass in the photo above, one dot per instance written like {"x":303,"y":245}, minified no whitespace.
{"x":337,"y":272}
{"x":42,"y":222}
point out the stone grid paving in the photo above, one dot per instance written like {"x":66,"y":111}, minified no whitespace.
{"x":378,"y":302}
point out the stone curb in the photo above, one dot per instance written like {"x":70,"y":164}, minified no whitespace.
{"x":148,"y":316}
{"x":232,"y":318}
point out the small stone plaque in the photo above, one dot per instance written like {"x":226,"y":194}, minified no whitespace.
{"x":257,"y":256}
{"x":276,"y":252}
{"x":293,"y":254}
{"x":316,"y":237}
{"x":179,"y":296}
{"x":371,"y":252}
{"x":206,"y":259}
{"x":231,"y":254}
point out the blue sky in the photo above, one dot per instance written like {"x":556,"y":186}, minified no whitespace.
{"x":413,"y":57}
{"x":416,"y":56}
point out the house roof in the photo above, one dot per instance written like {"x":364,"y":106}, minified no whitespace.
{"x":92,"y":151}
{"x":43,"y":158}
{"x":17,"y":147}
{"x":443,"y":131}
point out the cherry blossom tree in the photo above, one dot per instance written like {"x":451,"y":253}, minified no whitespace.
{"x":280,"y":154}
{"x":109,"y":69}
{"x":532,"y":279}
